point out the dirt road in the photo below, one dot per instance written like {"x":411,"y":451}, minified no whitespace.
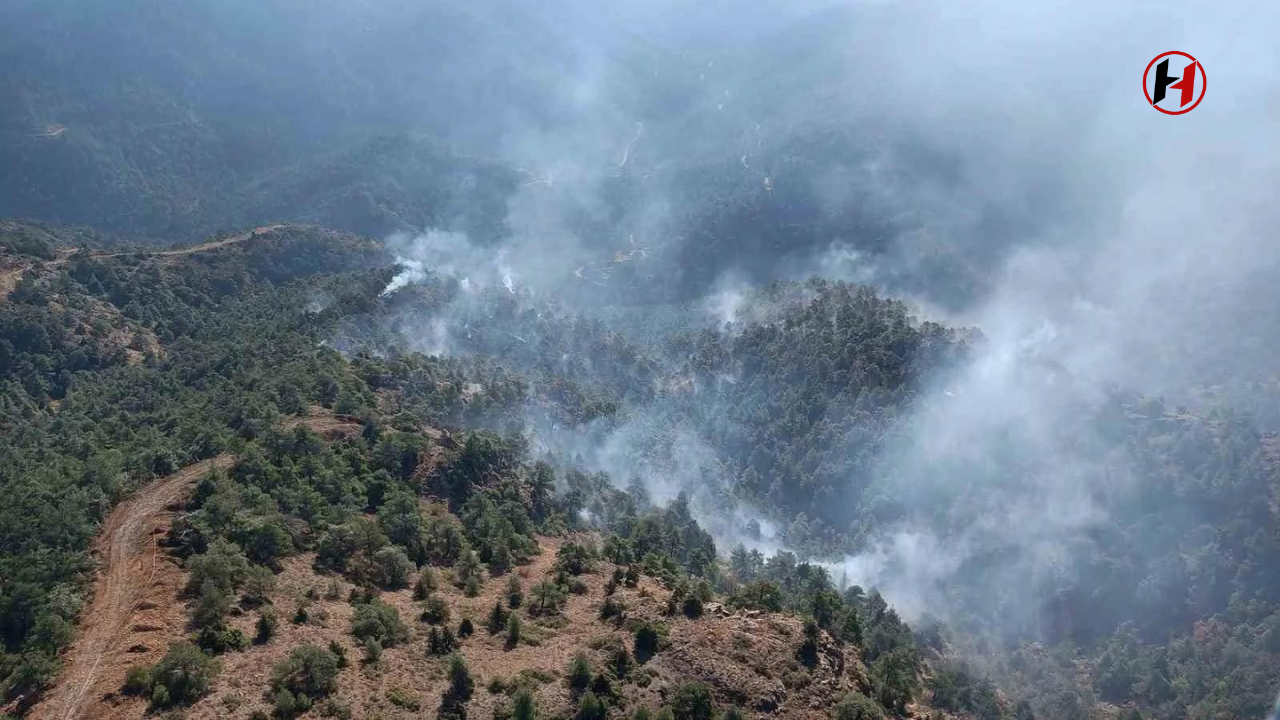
{"x":133,"y":569}
{"x":205,"y":247}
{"x":136,"y":592}
{"x":9,"y":278}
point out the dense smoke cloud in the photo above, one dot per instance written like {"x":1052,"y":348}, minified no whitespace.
{"x":1142,"y":266}
{"x":1125,"y":249}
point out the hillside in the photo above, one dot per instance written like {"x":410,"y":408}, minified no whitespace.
{"x":804,"y":359}
{"x":680,"y":415}
{"x":278,"y":499}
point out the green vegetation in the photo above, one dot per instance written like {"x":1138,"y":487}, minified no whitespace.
{"x":693,"y":701}
{"x":310,"y":673}
{"x":856,"y":706}
{"x":459,"y":691}
{"x":377,"y":621}
{"x":579,"y":675}
{"x":119,"y":370}
{"x":181,"y":677}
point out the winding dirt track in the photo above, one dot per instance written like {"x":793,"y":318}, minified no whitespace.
{"x":135,"y":593}
{"x":130,"y":556}
{"x":9,"y":278}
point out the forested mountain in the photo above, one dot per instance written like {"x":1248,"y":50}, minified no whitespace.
{"x":663,"y":359}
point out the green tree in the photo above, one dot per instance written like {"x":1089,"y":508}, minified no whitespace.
{"x":513,"y":630}
{"x":523,"y":706}
{"x":647,"y":641}
{"x":591,"y":707}
{"x":515,"y":592}
{"x":856,"y":706}
{"x":392,"y":568}
{"x":461,"y":684}
{"x":309,"y":671}
{"x":266,"y":626}
{"x":375,"y":620}
{"x":425,"y":584}
{"x":547,"y":597}
{"x":435,"y":611}
{"x":497,"y":618}
{"x":579,"y":672}
{"x":184,"y":674}
{"x":693,"y":701}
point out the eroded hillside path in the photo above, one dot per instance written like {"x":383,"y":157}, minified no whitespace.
{"x":135,"y":593}
{"x":9,"y":278}
{"x":131,"y":573}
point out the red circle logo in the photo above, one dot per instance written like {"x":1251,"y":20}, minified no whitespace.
{"x":1176,"y":85}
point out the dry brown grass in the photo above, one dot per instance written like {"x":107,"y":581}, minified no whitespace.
{"x":743,"y":658}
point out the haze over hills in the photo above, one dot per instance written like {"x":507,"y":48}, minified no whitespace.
{"x":899,"y":342}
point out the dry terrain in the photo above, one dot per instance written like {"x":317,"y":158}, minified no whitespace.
{"x":136,"y":607}
{"x":747,"y":658}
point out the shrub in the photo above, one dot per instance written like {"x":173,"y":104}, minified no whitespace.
{"x":137,"y":681}
{"x":212,"y":605}
{"x":266,"y":626}
{"x":894,"y":677}
{"x":372,"y":651}
{"x":435,"y":611}
{"x":425,"y":584}
{"x":333,"y":591}
{"x":219,"y":638}
{"x":466,"y":628}
{"x":591,"y":707}
{"x":34,"y":672}
{"x":467,"y":567}
{"x":497,"y":619}
{"x":378,"y":621}
{"x":391,"y":568}
{"x":648,"y":638}
{"x":472,"y":587}
{"x":339,"y":651}
{"x":851,"y":627}
{"x":182,"y":676}
{"x":579,"y":676}
{"x":575,"y":558}
{"x":693,"y":701}
{"x":546,"y":598}
{"x":610,"y":609}
{"x":602,"y":686}
{"x":856,"y":706}
{"x":335,"y":709}
{"x":286,"y":705}
{"x":258,"y":584}
{"x":758,"y":595}
{"x":404,"y":698}
{"x":461,"y":684}
{"x":691,"y":597}
{"x":309,"y":671}
{"x":513,"y":630}
{"x":619,"y":661}
{"x":515,"y":592}
{"x":440,"y":641}
{"x":523,"y":706}
{"x":807,"y":653}
{"x":223,"y":565}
